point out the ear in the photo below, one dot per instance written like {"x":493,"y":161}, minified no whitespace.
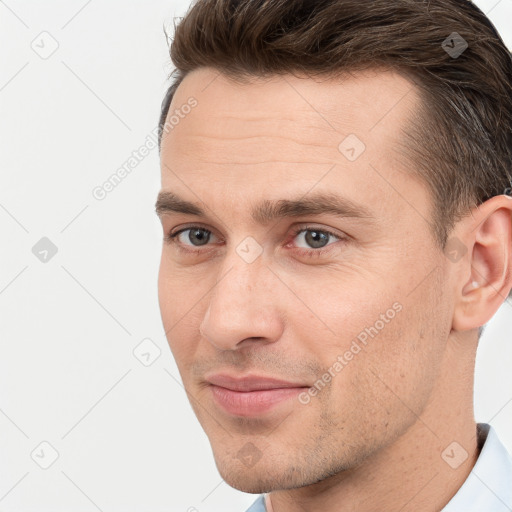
{"x":487,"y":269}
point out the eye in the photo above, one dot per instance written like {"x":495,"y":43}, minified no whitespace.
{"x":197,"y":236}
{"x":315,"y":240}
{"x":192,"y":239}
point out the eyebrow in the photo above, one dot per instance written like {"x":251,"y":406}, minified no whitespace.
{"x":269,"y":210}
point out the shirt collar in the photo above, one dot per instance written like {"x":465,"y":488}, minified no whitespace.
{"x":489,"y":485}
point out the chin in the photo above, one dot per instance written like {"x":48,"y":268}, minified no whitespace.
{"x":262,"y":478}
{"x":252,"y":482}
{"x":252,"y":487}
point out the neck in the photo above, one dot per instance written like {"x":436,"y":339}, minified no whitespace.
{"x":423,"y":469}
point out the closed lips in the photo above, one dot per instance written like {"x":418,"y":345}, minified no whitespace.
{"x":251,"y":383}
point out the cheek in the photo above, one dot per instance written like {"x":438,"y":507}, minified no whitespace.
{"x":332,"y":312}
{"x":357,"y":327}
{"x":389,"y":368}
{"x":179,"y":306}
{"x":178,"y":291}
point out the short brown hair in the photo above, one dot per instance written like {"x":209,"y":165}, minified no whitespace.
{"x":459,"y":142}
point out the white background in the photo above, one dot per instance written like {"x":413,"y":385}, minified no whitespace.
{"x":125,"y":433}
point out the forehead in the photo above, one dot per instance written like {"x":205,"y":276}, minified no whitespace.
{"x":356,"y":100}
{"x":289,"y":134}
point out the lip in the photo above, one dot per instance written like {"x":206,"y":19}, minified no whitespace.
{"x":251,"y":382}
{"x":251,"y":395}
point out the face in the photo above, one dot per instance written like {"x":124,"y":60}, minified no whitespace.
{"x":346,"y":306}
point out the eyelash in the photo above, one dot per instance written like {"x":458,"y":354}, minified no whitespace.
{"x":170,"y":238}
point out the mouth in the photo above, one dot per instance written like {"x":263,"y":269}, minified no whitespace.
{"x":252,"y":395}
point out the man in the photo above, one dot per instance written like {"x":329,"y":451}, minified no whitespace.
{"x":337,"y":230}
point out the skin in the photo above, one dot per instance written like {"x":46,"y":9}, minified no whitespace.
{"x":373,"y":437}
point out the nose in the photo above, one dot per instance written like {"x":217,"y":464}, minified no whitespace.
{"x":243,"y":308}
